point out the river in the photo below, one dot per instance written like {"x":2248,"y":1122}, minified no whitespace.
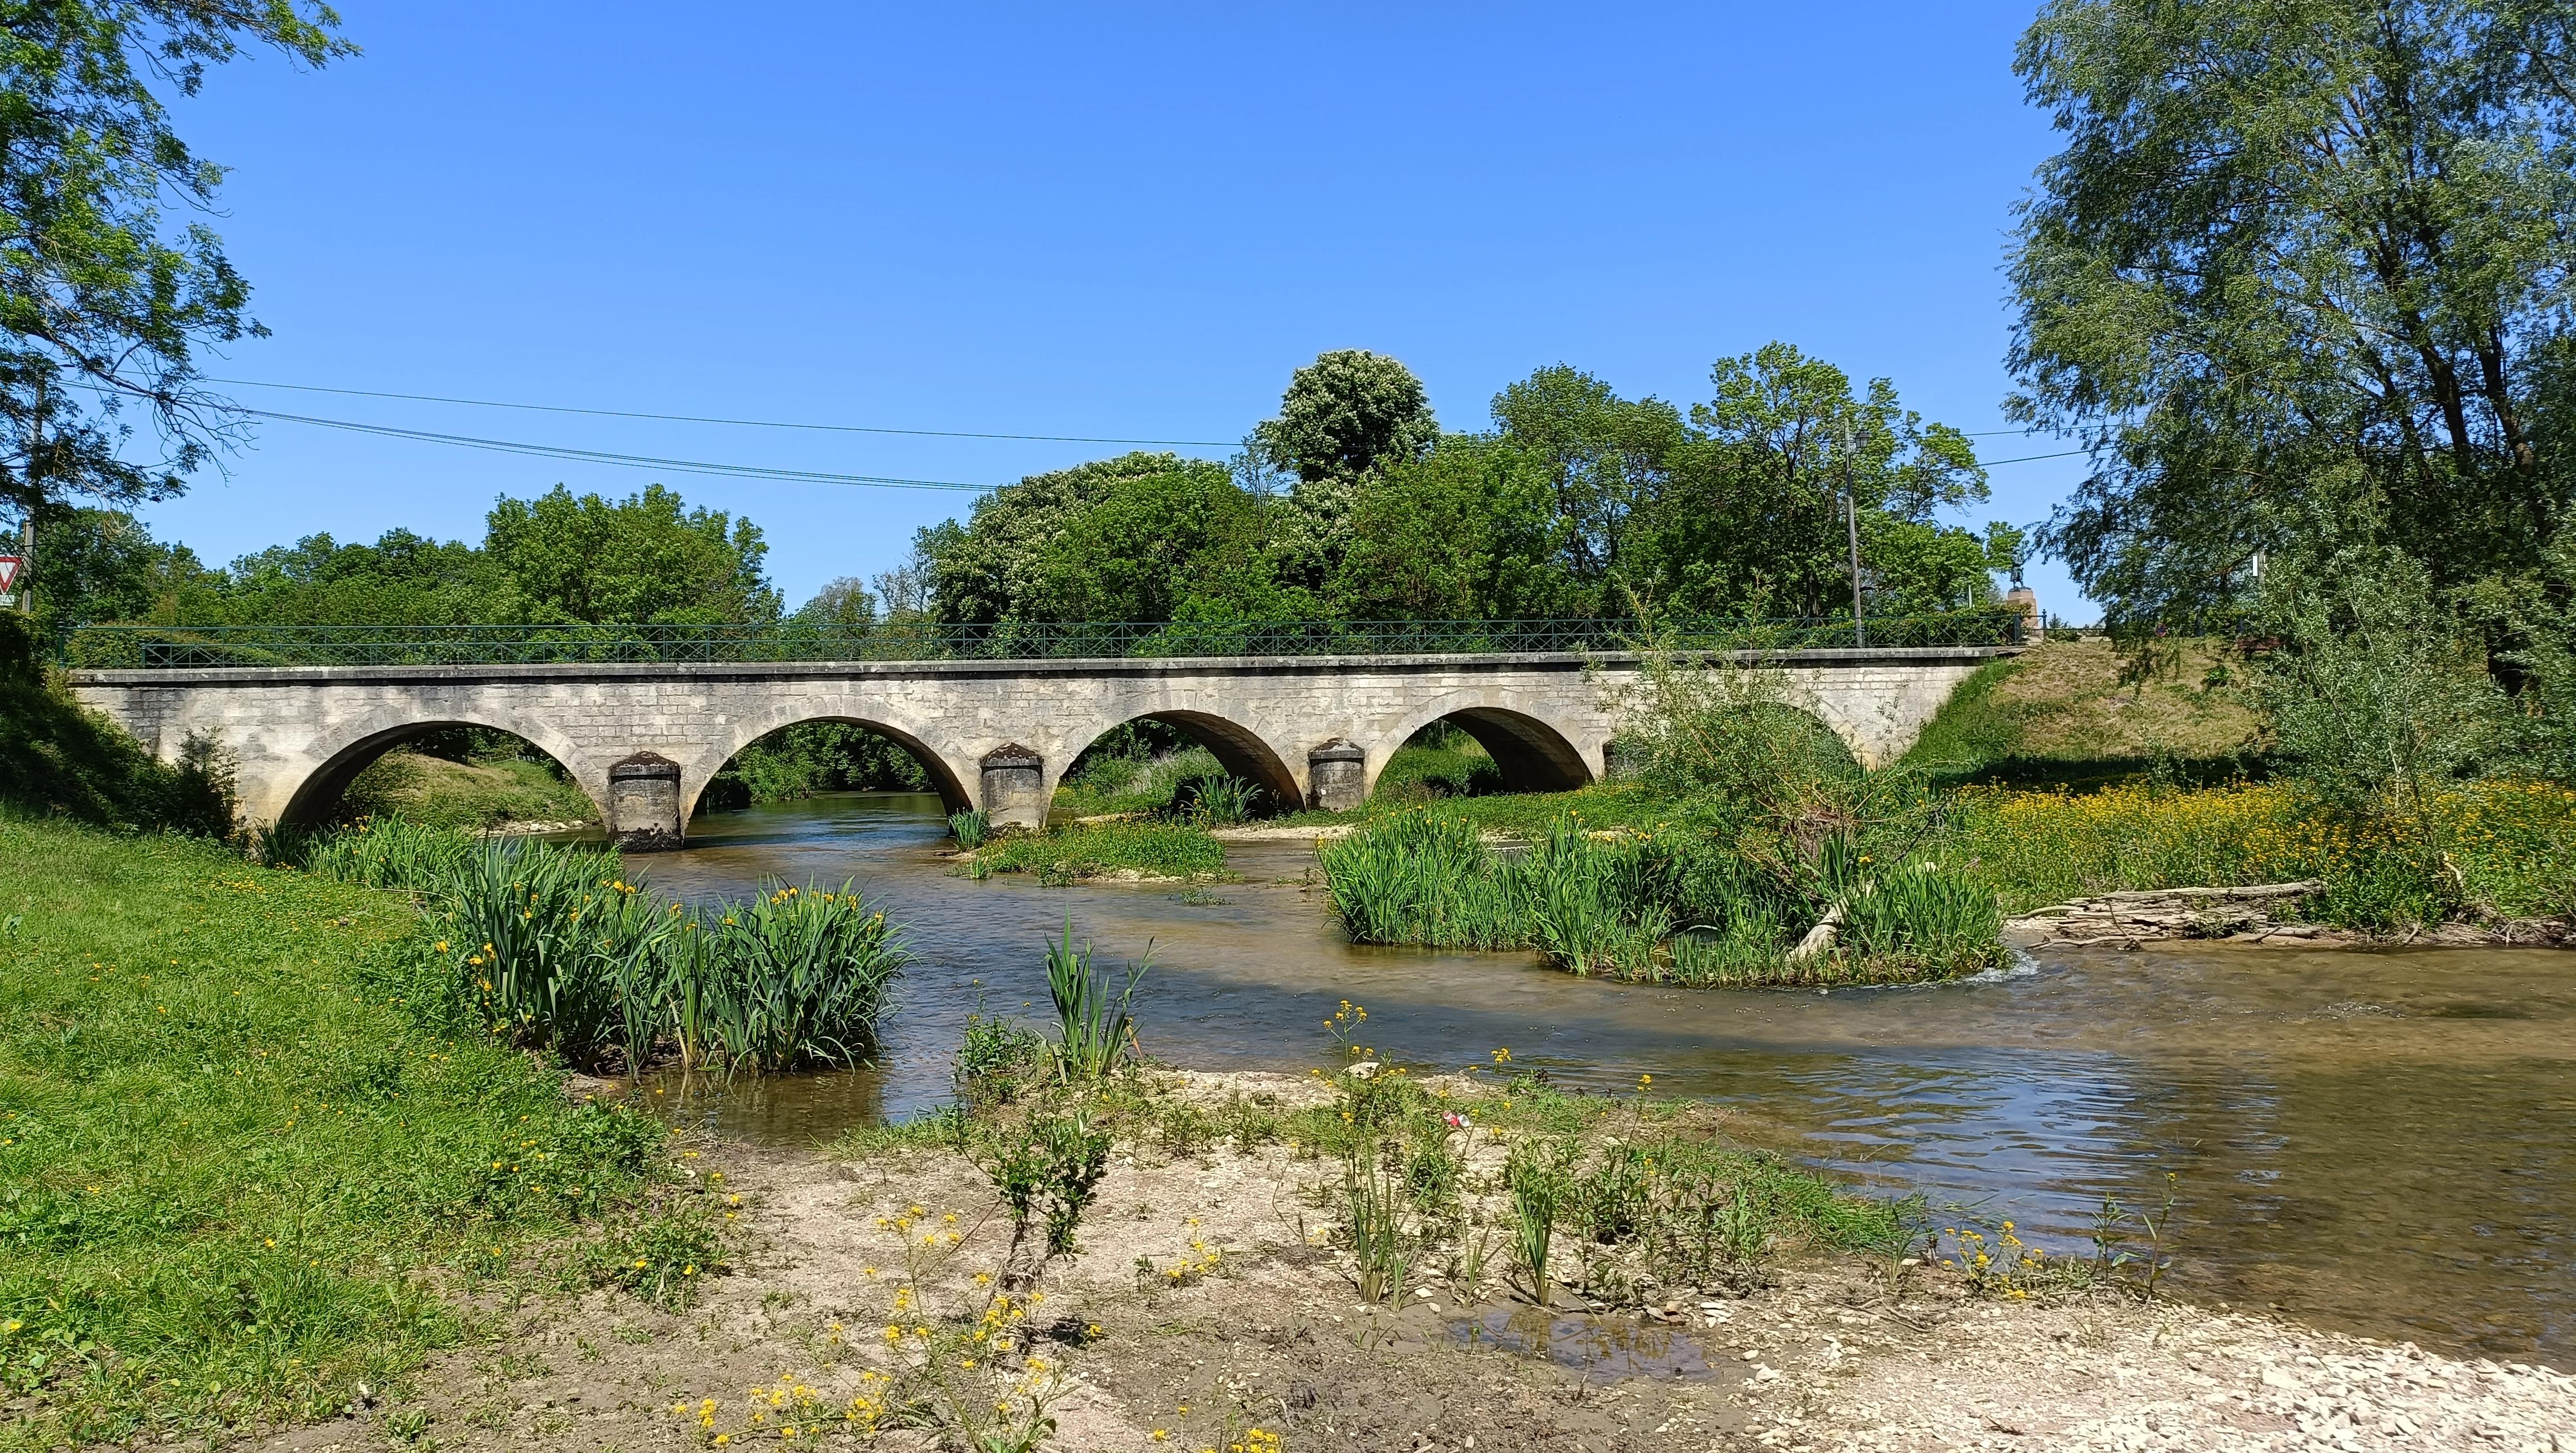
{"x":2377,"y":1141}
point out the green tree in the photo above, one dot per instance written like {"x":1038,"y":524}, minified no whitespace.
{"x":2374,"y":700}
{"x":1345,"y":416}
{"x":647,"y":558}
{"x":1603,"y":454}
{"x":2299,"y":281}
{"x":845,"y":602}
{"x":1184,"y":543}
{"x":103,"y":565}
{"x":401,"y":579}
{"x":103,"y":302}
{"x":1471,"y":532}
{"x":986,"y":570}
{"x":1751,"y":517}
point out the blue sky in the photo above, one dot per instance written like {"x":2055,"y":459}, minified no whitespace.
{"x":1126,"y":221}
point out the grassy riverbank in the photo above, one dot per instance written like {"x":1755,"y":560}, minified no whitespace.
{"x":483,"y":792}
{"x":245,"y":1180}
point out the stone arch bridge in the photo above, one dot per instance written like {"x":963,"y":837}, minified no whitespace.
{"x":643,"y":739}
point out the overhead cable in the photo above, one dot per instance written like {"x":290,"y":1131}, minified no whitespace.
{"x":626,"y":461}
{"x":701,"y":419}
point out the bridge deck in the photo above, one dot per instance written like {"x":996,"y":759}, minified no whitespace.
{"x":1034,"y":666}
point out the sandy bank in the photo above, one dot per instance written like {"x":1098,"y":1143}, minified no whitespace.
{"x":1205,"y":1300}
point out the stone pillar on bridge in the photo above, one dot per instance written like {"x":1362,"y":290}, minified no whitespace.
{"x":1339,"y":771}
{"x":644,"y":804}
{"x":1014,"y":787}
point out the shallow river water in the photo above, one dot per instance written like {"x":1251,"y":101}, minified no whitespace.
{"x":2378,"y":1141}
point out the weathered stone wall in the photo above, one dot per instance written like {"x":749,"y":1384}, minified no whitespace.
{"x":296,"y":735}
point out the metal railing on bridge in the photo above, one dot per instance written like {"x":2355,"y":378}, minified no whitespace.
{"x":177,"y":647}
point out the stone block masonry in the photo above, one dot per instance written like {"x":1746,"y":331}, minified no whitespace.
{"x":643,"y":740}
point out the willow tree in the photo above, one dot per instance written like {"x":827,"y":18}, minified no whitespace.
{"x":2299,"y":281}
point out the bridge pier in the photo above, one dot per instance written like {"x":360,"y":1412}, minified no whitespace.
{"x":644,"y":804}
{"x":1014,"y":783}
{"x":1338,"y":771}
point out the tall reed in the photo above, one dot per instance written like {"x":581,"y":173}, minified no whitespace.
{"x":553,"y":947}
{"x":1424,"y":877}
{"x":1661,"y":907}
{"x":511,"y":915}
{"x":1373,"y":1201}
{"x":1094,"y":1028}
{"x":801,"y":974}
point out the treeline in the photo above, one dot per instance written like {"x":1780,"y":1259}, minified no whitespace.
{"x":1574,"y":502}
{"x":559,"y":558}
{"x":1351,"y":503}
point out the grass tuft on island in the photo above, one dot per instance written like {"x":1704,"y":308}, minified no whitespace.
{"x":1151,"y":850}
{"x":245,"y":1175}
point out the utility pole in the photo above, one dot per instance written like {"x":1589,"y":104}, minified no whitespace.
{"x":1851,"y":524}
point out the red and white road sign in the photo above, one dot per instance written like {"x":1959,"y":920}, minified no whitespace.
{"x":9,"y":567}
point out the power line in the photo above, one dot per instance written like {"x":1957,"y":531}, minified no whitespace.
{"x":700,"y":419}
{"x":627,"y":461}
{"x":723,"y":470}
{"x":2025,"y":459}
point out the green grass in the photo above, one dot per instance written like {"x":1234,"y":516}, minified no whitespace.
{"x":1148,"y":848}
{"x":1112,"y":784}
{"x":239,"y":1175}
{"x":2081,"y":713}
{"x":58,"y":758}
{"x":485,"y":793}
{"x":1454,"y":766}
{"x":2478,"y":850}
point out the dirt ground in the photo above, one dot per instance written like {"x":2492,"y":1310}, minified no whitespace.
{"x":1262,"y":1329}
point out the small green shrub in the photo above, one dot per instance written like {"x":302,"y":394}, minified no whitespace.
{"x":1537,"y":1179}
{"x":1046,"y":1170}
{"x":665,"y":1256}
{"x":1216,"y":800}
{"x":997,"y":1059}
{"x":1374,"y":1216}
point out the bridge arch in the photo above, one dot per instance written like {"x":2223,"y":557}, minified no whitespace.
{"x":1532,"y":754}
{"x":948,"y":776}
{"x":1240,"y":750}
{"x":353,"y":747}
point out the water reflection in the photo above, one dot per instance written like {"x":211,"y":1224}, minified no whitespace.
{"x":2374,"y":1140}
